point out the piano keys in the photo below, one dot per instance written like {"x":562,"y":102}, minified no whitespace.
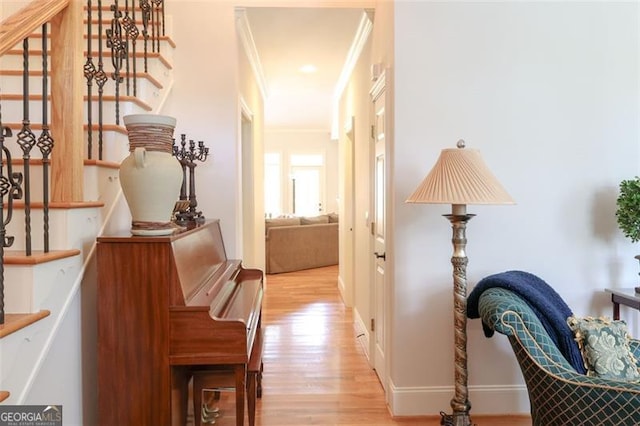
{"x":168,"y":305}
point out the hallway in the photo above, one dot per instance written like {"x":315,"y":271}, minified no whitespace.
{"x":315,"y":369}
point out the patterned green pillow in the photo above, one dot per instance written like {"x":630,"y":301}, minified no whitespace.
{"x":604,"y":345}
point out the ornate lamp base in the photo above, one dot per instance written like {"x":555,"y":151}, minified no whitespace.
{"x":460,"y":403}
{"x":455,"y":419}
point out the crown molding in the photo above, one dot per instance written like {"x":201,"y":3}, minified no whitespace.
{"x":249,"y":45}
{"x":359,"y":41}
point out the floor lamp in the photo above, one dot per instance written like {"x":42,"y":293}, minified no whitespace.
{"x":460,"y":177}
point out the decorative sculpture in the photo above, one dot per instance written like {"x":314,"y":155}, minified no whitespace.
{"x":187,"y":156}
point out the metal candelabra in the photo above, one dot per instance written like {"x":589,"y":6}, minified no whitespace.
{"x":187,"y":156}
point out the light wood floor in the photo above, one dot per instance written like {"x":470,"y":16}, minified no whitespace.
{"x":315,"y":370}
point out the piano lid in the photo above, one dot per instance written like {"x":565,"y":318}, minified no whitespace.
{"x":200,"y":258}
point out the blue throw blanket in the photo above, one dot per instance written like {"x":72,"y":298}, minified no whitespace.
{"x":543,"y":300}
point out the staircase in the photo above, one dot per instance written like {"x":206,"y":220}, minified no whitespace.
{"x":48,"y":341}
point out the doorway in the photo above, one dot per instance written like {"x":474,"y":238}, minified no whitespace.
{"x":281,"y":139}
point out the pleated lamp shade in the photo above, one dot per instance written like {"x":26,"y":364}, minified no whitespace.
{"x":460,"y":176}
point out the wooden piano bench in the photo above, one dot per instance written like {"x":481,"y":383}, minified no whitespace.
{"x":219,"y":377}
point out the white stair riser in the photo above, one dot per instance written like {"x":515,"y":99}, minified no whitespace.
{"x":101,"y":184}
{"x":96,"y":179}
{"x":115,"y":146}
{"x":13,"y":83}
{"x":29,"y":288}
{"x":111,"y":141}
{"x":68,"y":228}
{"x":114,"y":149}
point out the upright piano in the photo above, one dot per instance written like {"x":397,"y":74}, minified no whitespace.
{"x":166,"y":305}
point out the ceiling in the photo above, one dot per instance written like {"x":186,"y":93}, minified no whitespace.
{"x":288,"y":38}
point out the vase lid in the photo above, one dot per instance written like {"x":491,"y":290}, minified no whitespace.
{"x":149,"y":119}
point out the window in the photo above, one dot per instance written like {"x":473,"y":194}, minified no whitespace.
{"x":272,"y":185}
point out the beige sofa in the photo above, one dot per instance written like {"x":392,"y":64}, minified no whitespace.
{"x":293,"y":244}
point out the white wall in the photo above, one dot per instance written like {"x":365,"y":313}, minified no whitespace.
{"x":548,"y":91}
{"x":204,"y":101}
{"x":252,"y":202}
{"x":355,"y":102}
{"x":288,"y":142}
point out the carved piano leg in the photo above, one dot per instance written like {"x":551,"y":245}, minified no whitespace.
{"x":251,"y":398}
{"x":241,"y":374}
{"x":254,"y":376}
{"x":179,"y":395}
{"x":259,"y":388}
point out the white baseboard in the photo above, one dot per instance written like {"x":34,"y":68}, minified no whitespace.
{"x":342,"y":289}
{"x":362,"y":334}
{"x":431,"y":400}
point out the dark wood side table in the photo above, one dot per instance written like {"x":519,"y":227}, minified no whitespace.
{"x":623,"y":296}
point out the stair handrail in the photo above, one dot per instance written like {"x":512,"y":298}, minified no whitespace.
{"x":25,"y":21}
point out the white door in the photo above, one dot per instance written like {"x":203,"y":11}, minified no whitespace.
{"x":378,"y":231}
{"x":306,"y":190}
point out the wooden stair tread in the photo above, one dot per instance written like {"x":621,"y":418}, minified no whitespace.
{"x":18,"y":257}
{"x":38,"y":73}
{"x":105,"y":54}
{"x":15,"y":322}
{"x":38,"y":97}
{"x":4,"y":395}
{"x":107,"y":128}
{"x":17,"y":162}
{"x":94,"y":127}
{"x":165,"y":38}
{"x":140,"y":39}
{"x":62,"y":205}
{"x":102,"y":163}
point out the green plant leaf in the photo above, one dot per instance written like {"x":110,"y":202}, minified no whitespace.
{"x":628,"y":211}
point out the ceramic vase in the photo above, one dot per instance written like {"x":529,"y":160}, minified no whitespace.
{"x":150,"y":175}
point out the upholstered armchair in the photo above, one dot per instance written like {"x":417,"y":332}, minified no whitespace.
{"x":558,"y":394}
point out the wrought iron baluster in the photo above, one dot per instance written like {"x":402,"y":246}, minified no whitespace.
{"x":26,"y":141}
{"x":127,"y":61}
{"x":45,"y":141}
{"x":3,"y":230}
{"x":153,"y":25}
{"x":163,"y":21}
{"x":9,"y":186}
{"x":118,"y":47}
{"x":89,"y":75}
{"x":101,"y":79}
{"x":134,"y":41}
{"x":156,"y":24}
{"x":145,"y":6}
{"x":132,"y":33}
